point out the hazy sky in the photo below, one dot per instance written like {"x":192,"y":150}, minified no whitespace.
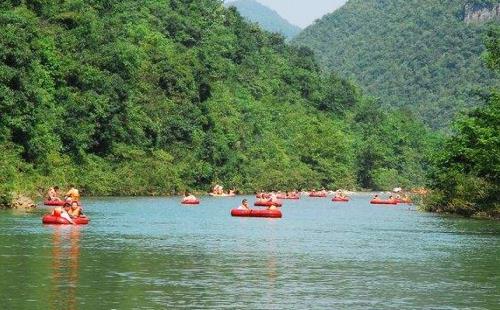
{"x":302,"y":12}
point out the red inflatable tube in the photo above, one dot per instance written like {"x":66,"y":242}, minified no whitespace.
{"x":383,"y":202}
{"x":191,"y":202}
{"x":60,"y":203}
{"x":256,"y":213}
{"x":54,"y":202}
{"x":317,"y":195}
{"x":268,"y":203}
{"x":340,"y":199}
{"x":57,"y":220}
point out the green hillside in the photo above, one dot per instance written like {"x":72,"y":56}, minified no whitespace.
{"x":152,"y":97}
{"x":267,"y":18}
{"x":465,"y":174}
{"x":422,"y":54}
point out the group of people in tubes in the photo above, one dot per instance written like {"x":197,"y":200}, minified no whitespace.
{"x":218,"y":190}
{"x":71,"y":208}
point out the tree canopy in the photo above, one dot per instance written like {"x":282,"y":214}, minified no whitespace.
{"x":154,"y":97}
{"x":418,"y":54}
{"x":466,"y":171}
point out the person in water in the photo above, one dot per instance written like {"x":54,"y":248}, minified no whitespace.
{"x":63,"y":212}
{"x":244,"y":205}
{"x":188,"y":196}
{"x":73,"y":194}
{"x":53,"y":194}
{"x":273,"y":197}
{"x":76,"y":210}
{"x":218,"y":190}
{"x":264,"y":198}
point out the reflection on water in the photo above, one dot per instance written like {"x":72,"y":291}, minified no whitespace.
{"x":65,"y":266}
{"x":152,"y":253}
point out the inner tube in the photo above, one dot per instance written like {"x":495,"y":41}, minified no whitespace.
{"x":57,"y":220}
{"x":256,"y":213}
{"x":268,"y":203}
{"x":55,"y":203}
{"x":403,"y":200}
{"x":58,"y":203}
{"x":383,"y":202}
{"x":191,"y":202}
{"x":317,"y":195}
{"x":340,"y":199}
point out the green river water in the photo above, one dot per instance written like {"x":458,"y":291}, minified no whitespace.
{"x":153,"y":253}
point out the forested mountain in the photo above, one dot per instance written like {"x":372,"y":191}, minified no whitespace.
{"x":267,"y":18}
{"x":465,"y":176}
{"x":422,"y":54}
{"x":151,"y":97}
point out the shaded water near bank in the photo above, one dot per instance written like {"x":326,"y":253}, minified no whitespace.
{"x":153,"y":253}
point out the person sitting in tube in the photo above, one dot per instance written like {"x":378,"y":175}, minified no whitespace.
{"x":63,"y":212}
{"x":188,"y":196}
{"x":375,"y":197}
{"x":76,"y":210}
{"x":52,"y":194}
{"x":73,"y":194}
{"x":338,"y":194}
{"x":244,"y":205}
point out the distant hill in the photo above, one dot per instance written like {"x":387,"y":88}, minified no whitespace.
{"x":267,"y":18}
{"x":423,"y":54}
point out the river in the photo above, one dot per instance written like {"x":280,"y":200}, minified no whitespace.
{"x":153,"y":253}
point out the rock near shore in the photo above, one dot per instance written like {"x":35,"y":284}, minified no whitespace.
{"x":22,"y":202}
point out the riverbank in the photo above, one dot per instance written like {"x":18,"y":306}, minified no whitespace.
{"x":467,"y":208}
{"x":16,"y":201}
{"x":481,"y":215}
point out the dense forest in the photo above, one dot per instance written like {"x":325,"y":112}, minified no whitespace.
{"x":419,"y":54}
{"x":267,"y":18}
{"x":155,"y":97}
{"x":465,"y":174}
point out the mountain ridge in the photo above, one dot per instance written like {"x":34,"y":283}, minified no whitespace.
{"x":266,"y":17}
{"x":417,"y":54}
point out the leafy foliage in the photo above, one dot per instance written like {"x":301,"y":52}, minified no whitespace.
{"x":415,"y":54}
{"x":466,"y":173}
{"x":154,"y":97}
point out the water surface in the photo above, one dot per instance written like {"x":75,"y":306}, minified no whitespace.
{"x":153,"y":253}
